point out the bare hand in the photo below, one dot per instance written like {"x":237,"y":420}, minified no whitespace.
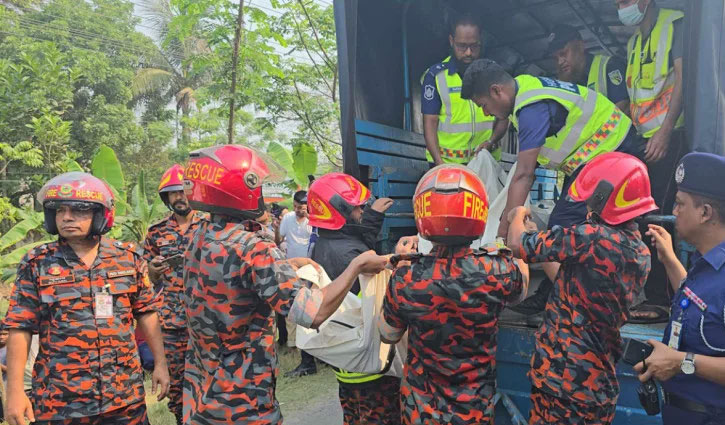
{"x":407,"y":245}
{"x":662,"y":240}
{"x":300,"y":262}
{"x":157,"y":266}
{"x":520,"y":213}
{"x":371,"y":263}
{"x":19,"y":408}
{"x":160,"y":379}
{"x":381,"y":205}
{"x":663,"y":363}
{"x":657,"y":146}
{"x":488,"y":145}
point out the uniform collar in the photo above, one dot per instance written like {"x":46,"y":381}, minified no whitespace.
{"x":452,"y":65}
{"x":105,"y":250}
{"x":716,"y":256}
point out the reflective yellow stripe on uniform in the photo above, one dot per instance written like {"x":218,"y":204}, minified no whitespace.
{"x":462,"y":126}
{"x":593,"y":125}
{"x":650,"y":77}
{"x":597,"y":79}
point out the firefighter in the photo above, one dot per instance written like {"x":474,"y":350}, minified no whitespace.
{"x":597,"y":268}
{"x":81,"y":294}
{"x":164,"y":248}
{"x":348,"y":219}
{"x":236,"y":279}
{"x":449,"y":302}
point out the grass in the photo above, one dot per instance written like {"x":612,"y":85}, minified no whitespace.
{"x":293,"y":394}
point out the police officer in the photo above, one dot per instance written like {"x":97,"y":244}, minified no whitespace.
{"x":236,"y":278}
{"x":601,"y":73}
{"x":690,"y":360}
{"x":164,"y":249}
{"x":81,"y":295}
{"x":454,"y":129}
{"x":449,"y":302}
{"x":598,"y":268}
{"x":348,"y":219}
{"x":561,"y":126}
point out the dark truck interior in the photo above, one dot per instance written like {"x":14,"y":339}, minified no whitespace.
{"x":385,"y":47}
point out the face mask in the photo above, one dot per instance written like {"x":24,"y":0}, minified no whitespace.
{"x":630,"y":15}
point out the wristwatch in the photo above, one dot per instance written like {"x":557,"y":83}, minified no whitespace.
{"x":688,"y":364}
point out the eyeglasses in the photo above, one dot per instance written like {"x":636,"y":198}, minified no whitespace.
{"x":463,"y":47}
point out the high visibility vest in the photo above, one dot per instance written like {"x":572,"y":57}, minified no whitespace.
{"x":593,"y":125}
{"x":462,"y":125}
{"x":650,"y":76}
{"x":355,"y":377}
{"x":597,"y":79}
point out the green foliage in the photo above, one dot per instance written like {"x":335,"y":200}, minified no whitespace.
{"x":304,"y":162}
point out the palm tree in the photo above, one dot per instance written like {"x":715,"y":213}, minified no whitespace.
{"x":171,"y":75}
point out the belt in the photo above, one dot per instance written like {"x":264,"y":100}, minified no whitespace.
{"x":689,"y":405}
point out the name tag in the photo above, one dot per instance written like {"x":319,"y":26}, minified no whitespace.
{"x":55,"y":280}
{"x":163,"y":242}
{"x":120,"y":273}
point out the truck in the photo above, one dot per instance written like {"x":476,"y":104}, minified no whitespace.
{"x":385,"y":46}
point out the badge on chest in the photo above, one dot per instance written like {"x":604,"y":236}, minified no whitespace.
{"x":104,"y":304}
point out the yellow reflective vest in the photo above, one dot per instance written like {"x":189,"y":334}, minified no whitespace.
{"x":594,"y":125}
{"x":462,"y":126}
{"x":597,"y":79}
{"x":650,"y":75}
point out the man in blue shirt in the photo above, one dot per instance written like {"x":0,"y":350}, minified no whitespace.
{"x":575,"y":65}
{"x":690,"y":360}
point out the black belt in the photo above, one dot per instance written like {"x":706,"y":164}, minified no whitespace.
{"x":689,"y":405}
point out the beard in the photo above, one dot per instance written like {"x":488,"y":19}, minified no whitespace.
{"x":181,"y":209}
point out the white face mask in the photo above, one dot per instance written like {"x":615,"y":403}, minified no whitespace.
{"x":630,"y":15}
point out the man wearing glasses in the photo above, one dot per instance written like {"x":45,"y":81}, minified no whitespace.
{"x":455,"y":129}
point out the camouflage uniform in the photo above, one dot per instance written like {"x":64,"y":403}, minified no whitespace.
{"x":165,"y":238}
{"x":578,"y":343}
{"x":235,"y":280}
{"x":87,"y":367}
{"x":449,"y":302}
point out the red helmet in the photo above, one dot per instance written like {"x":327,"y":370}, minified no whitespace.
{"x":227,"y":179}
{"x":171,"y":181}
{"x":82,"y":191}
{"x":615,"y":186}
{"x":332,"y":198}
{"x":450,"y":205}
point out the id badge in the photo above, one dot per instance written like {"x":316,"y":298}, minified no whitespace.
{"x":104,"y":306}
{"x":675,"y":332}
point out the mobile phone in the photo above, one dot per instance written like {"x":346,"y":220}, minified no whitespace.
{"x":174,"y":261}
{"x":635,"y":351}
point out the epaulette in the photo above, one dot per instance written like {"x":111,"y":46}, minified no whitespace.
{"x":160,"y":221}
{"x":39,"y":250}
{"x":128,"y":246}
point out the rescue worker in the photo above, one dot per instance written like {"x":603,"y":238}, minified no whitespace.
{"x":602,"y":73}
{"x":449,"y":302}
{"x":81,"y":294}
{"x":598,"y":268}
{"x":654,"y":82}
{"x":690,"y":360}
{"x":348,"y":219}
{"x":454,"y":129}
{"x":164,"y":249}
{"x":561,"y":126}
{"x":236,"y":278}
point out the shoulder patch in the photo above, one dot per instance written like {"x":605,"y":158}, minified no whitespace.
{"x":40,"y":250}
{"x":615,"y":77}
{"x":429,"y":92}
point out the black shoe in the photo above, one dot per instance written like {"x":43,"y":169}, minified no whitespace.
{"x":536,"y":303}
{"x":301,"y":370}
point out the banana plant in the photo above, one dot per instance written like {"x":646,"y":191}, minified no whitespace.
{"x":29,"y":230}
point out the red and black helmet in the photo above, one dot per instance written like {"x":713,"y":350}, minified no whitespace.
{"x":332,"y":198}
{"x":228,"y":179}
{"x":450,"y":205}
{"x":82,"y":191}
{"x":171,"y":181}
{"x":615,"y":186}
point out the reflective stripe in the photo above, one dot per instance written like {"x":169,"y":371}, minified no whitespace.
{"x":587,"y":105}
{"x":354,"y":377}
{"x":464,"y":127}
{"x":599,"y":66}
{"x":445,"y":95}
{"x":584,"y":151}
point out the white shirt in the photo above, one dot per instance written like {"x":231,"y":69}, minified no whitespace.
{"x":296,"y":234}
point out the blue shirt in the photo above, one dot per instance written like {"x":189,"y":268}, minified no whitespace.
{"x":430,"y":99}
{"x":702,"y":332}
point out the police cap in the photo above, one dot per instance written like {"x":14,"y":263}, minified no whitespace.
{"x":561,"y":36}
{"x":702,"y":174}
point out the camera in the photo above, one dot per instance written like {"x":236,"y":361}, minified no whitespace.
{"x":636,"y":351}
